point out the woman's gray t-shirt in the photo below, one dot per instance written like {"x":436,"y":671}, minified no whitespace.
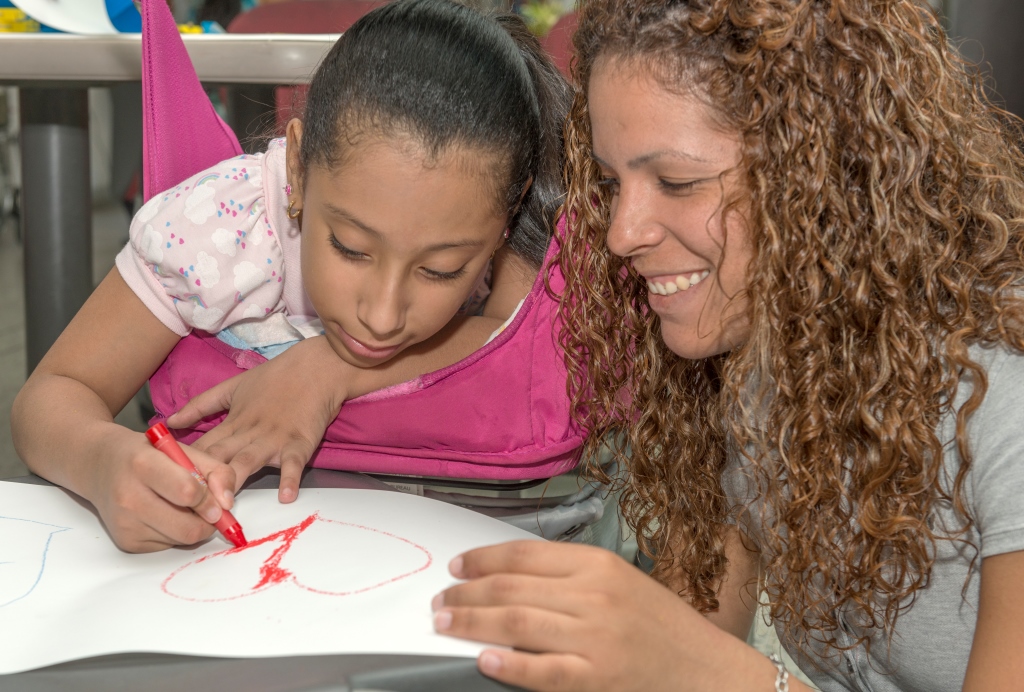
{"x":932,"y":640}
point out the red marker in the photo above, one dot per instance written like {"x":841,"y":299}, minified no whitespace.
{"x":161,"y":438}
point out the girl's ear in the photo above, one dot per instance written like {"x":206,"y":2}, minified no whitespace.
{"x":293,"y":144}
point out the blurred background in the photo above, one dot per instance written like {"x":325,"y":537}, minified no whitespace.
{"x":986,"y":31}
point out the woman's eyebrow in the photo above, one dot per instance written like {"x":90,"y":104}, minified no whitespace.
{"x":643,"y":159}
{"x":377,"y":235}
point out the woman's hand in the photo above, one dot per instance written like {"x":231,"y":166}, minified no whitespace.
{"x":149,"y":503}
{"x":581,"y":618}
{"x":277,"y":412}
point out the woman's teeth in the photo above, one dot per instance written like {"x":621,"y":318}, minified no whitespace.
{"x":681,"y":283}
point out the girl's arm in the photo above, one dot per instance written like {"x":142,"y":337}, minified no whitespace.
{"x":996,"y":662}
{"x":279,"y":411}
{"x":63,"y":426}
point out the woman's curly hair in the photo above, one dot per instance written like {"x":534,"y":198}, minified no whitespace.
{"x":885,"y":209}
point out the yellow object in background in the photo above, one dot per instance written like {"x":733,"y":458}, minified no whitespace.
{"x":14,"y":20}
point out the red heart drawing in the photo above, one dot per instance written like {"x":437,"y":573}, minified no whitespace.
{"x":240,"y":572}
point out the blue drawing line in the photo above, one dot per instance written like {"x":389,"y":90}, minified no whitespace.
{"x":42,"y":563}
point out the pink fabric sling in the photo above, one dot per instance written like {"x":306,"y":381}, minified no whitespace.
{"x":502,"y":413}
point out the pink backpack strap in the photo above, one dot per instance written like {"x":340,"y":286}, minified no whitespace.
{"x":181,"y":132}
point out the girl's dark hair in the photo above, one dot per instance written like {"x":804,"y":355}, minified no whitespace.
{"x":449,"y":76}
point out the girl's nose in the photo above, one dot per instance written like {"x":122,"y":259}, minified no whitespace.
{"x":382,"y":310}
{"x":633,"y":227}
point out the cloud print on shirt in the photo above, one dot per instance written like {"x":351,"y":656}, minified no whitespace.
{"x":151,"y":245}
{"x":206,"y":269}
{"x":248,"y":277}
{"x":224,"y":241}
{"x":199,"y":205}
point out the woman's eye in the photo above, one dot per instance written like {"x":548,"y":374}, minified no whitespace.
{"x":344,"y":251}
{"x":610,"y":184}
{"x":677,"y":188}
{"x":444,"y":276}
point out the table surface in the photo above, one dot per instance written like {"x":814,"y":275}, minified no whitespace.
{"x":222,"y":58}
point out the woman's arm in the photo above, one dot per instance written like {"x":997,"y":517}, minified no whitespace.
{"x":63,"y":425}
{"x":996,"y":662}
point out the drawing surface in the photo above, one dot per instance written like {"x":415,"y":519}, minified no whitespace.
{"x":337,"y":571}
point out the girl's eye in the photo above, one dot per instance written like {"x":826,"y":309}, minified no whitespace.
{"x":610,"y":184}
{"x":677,"y":188}
{"x":344,"y":251}
{"x":444,"y":276}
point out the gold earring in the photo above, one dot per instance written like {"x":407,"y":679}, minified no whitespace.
{"x":293,"y":213}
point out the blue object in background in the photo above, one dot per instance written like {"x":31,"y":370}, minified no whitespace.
{"x":124,"y":16}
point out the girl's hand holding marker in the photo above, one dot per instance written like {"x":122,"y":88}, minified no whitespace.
{"x":161,"y":439}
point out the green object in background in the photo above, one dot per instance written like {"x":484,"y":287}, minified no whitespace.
{"x":541,"y":15}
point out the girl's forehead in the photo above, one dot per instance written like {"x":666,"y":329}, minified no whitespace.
{"x":398,"y":196}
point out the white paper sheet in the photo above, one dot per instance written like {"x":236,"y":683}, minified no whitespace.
{"x":337,"y":571}
{"x":72,"y":16}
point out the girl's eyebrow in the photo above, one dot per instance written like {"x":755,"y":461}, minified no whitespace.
{"x":378,"y":236}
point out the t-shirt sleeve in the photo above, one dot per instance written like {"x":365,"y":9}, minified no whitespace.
{"x":997,"y":447}
{"x":203,"y":255}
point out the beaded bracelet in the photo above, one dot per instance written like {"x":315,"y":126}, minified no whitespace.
{"x":782,"y":679}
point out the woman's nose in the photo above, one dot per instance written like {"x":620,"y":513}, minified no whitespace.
{"x":633,"y":227}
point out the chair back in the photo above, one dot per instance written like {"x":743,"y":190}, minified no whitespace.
{"x":558,"y":41}
{"x":302,"y":17}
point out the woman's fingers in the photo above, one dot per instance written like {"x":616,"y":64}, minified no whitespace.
{"x":512,"y":589}
{"x":542,"y":672}
{"x":213,"y":400}
{"x":523,"y":627}
{"x":542,"y":558}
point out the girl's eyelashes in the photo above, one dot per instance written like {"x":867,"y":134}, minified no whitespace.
{"x":431,"y":274}
{"x":445,"y":276}
{"x":342,"y":250}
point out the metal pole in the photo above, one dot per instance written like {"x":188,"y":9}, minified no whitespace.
{"x":56,"y":212}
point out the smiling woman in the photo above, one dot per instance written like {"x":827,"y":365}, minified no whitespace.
{"x":831,"y":420}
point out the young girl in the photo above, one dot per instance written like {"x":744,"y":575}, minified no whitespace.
{"x":425,"y":175}
{"x":794,"y":276}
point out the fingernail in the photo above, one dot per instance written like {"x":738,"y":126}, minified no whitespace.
{"x":212,"y":513}
{"x":442,"y":620}
{"x":229,"y":498}
{"x":287,"y":494}
{"x":455,"y":567}
{"x":490,"y":663}
{"x":437,"y":602}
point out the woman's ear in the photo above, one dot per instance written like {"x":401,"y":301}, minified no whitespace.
{"x":293,"y":145}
